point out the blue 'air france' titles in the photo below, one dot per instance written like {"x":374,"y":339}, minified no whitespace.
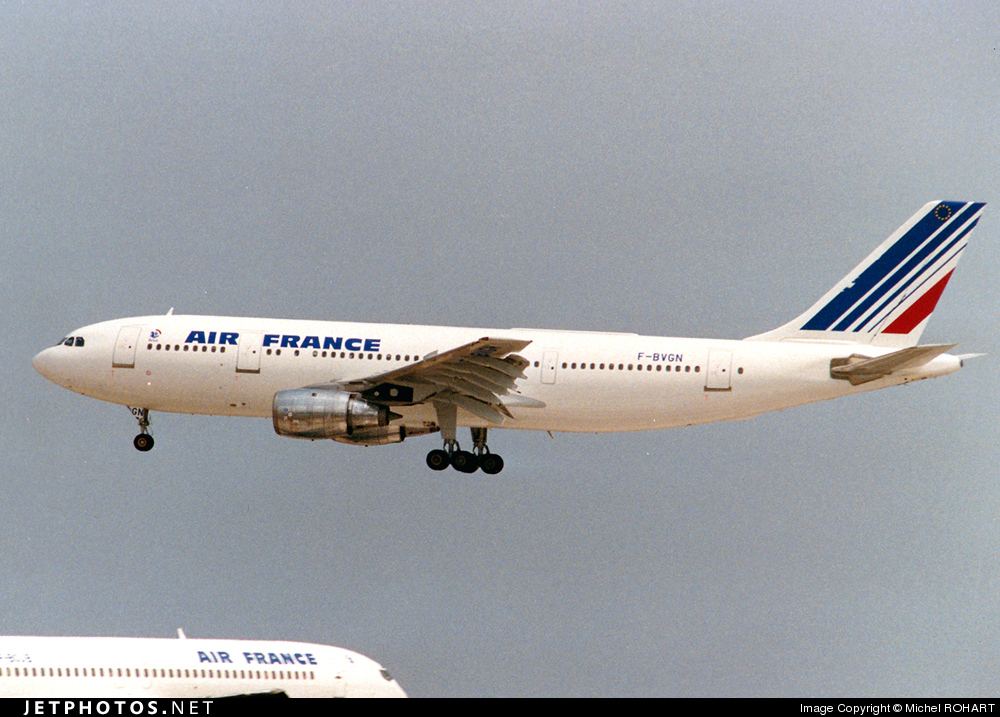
{"x":287,"y":341}
{"x":261,"y":658}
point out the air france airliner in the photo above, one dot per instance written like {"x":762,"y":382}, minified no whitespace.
{"x":375,"y":384}
{"x":33,"y":667}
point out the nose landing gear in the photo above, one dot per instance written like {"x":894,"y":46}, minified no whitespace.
{"x":144,"y":441}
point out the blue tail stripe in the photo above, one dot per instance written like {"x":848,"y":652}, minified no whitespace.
{"x":925,"y":279}
{"x":914,"y":260}
{"x":906,"y":284}
{"x":872,"y":275}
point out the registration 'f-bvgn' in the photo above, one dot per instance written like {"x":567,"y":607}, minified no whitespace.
{"x":374,"y":384}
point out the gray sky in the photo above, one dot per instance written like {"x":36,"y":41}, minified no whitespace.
{"x":686,"y":169}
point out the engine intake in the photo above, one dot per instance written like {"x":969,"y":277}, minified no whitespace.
{"x":311,"y":414}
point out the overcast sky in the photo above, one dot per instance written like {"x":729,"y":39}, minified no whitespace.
{"x":679,"y":169}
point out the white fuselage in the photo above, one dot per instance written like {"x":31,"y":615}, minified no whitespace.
{"x":575,"y":381}
{"x":37,"y":667}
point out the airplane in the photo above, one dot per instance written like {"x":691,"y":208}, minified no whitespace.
{"x":36,"y":667}
{"x":376,"y":384}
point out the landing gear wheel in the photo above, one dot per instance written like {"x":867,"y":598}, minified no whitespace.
{"x":438,"y":460}
{"x":491,"y":463}
{"x":144,"y":441}
{"x":464,"y":462}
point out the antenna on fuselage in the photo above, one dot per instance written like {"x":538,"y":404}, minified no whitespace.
{"x":180,"y":630}
{"x":171,"y":311}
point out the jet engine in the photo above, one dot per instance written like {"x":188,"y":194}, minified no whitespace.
{"x":317,"y":413}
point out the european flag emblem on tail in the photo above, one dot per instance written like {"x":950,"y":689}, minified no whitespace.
{"x":888,"y":298}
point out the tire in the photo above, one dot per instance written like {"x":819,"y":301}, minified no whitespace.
{"x":438,"y":460}
{"x":491,"y":463}
{"x":464,"y":462}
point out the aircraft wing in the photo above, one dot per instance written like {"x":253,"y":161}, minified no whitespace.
{"x":476,"y":377}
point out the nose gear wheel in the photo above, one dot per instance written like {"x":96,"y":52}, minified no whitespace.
{"x":144,"y":441}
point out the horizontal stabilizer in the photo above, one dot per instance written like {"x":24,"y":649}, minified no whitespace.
{"x":860,"y":369}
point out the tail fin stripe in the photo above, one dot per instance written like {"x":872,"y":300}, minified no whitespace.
{"x":871,"y":275}
{"x":914,"y":260}
{"x":949,"y":261}
{"x":934,"y":221}
{"x":920,"y":309}
{"x":918,"y":291}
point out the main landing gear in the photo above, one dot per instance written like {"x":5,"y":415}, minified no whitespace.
{"x":144,"y":441}
{"x":464,"y":461}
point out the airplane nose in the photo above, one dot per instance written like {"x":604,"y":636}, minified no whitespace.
{"x":386,"y":686}
{"x":44,"y":363}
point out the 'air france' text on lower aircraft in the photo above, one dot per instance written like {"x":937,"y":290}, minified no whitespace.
{"x":36,"y":667}
{"x":372,"y":384}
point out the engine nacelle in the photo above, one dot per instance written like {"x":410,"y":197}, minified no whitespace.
{"x":316,"y":413}
{"x":384,"y":435}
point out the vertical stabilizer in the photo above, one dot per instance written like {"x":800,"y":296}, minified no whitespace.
{"x":888,"y":298}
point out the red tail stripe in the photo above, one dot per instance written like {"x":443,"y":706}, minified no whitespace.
{"x":920,"y":309}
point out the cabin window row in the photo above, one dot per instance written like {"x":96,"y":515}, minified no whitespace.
{"x":628,"y":367}
{"x":160,"y":672}
{"x":187,"y":347}
{"x":348,"y":355}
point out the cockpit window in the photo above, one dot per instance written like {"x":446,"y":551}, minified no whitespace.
{"x":66,"y":342}
{"x":71,"y":341}
{"x":79,"y":341}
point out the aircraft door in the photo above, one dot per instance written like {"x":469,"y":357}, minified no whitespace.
{"x":719,"y":369}
{"x":128,"y":340}
{"x":549,"y":360}
{"x":248,"y":353}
